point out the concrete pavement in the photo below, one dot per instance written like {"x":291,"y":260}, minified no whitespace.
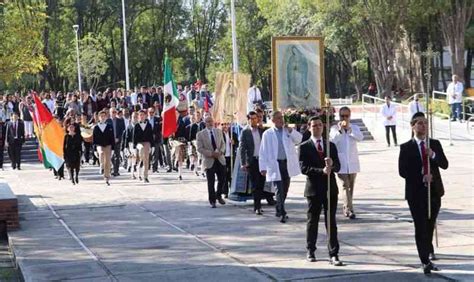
{"x":165,"y":230}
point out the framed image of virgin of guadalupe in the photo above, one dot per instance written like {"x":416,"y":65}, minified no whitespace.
{"x":297,"y":72}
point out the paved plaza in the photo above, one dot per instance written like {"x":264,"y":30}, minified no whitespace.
{"x":165,"y":230}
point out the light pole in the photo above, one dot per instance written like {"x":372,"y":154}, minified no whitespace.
{"x":124,"y":26}
{"x":235,"y":52}
{"x":76,"y":30}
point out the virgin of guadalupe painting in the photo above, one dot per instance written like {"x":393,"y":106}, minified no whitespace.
{"x":297,"y":72}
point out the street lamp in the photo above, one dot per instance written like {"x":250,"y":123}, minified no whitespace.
{"x":76,"y":30}
{"x":124,"y":26}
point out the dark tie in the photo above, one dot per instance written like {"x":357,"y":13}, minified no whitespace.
{"x":320,"y":150}
{"x":14,"y":130}
{"x":417,"y":107}
{"x":213,"y":141}
{"x":424,"y":157}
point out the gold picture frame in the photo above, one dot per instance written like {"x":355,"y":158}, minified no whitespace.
{"x":297,"y":72}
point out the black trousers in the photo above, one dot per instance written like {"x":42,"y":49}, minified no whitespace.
{"x":2,"y":148}
{"x":87,"y":151}
{"x":258,"y":182}
{"x":157,"y":158}
{"x":315,"y":205}
{"x":73,"y":169}
{"x":228,"y":176}
{"x":219,"y":170}
{"x":394,"y":133}
{"x":116,"y":157}
{"x":282,"y":187}
{"x":424,"y":227}
{"x":60,"y":172}
{"x":14,"y":153}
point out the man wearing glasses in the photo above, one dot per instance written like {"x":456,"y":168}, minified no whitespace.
{"x":345,"y":136}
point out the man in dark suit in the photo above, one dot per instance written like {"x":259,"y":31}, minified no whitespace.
{"x":3,"y":131}
{"x":413,"y":166}
{"x":155,"y":122}
{"x":249,"y":147}
{"x":15,"y":139}
{"x":118,"y":125}
{"x":316,"y":166}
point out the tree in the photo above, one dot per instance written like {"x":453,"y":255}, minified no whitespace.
{"x":454,"y":18}
{"x":206,"y":27}
{"x":20,"y":43}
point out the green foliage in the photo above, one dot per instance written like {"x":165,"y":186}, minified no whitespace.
{"x":441,"y":107}
{"x":20,"y":39}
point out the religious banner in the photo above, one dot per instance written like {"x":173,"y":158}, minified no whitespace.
{"x":297,"y":72}
{"x":230,"y":100}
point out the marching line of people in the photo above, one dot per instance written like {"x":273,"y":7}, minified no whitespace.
{"x":132,"y":139}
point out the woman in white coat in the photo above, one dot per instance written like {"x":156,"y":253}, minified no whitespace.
{"x":389,"y":113}
{"x":278,"y":159}
{"x":345,"y":136}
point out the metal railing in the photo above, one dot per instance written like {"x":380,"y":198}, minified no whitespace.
{"x":435,"y":97}
{"x":402,"y":107}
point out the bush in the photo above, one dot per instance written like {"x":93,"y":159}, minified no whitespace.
{"x":441,"y":107}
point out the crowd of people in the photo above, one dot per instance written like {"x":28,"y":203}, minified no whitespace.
{"x":119,"y":128}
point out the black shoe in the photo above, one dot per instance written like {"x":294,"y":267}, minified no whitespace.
{"x":433,"y":256}
{"x":310,"y":256}
{"x":169,"y":170}
{"x":73,"y":183}
{"x":197,"y":173}
{"x":271,"y":202}
{"x":146,"y":180}
{"x":192,"y":167}
{"x":140,"y":178}
{"x":180,"y":177}
{"x":427,"y":268}
{"x":175,"y":168}
{"x":129,"y":169}
{"x":213,"y":205}
{"x":352,"y":215}
{"x":334,"y":260}
{"x":226,"y":196}
{"x":258,"y":212}
{"x":283,"y":219}
{"x":107,"y":182}
{"x":18,"y":168}
{"x":77,"y":180}
{"x":221,"y":201}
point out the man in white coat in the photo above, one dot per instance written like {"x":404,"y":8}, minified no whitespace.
{"x":389,"y":113}
{"x":454,"y":91}
{"x":345,"y":136}
{"x":278,"y":160}
{"x":415,"y":106}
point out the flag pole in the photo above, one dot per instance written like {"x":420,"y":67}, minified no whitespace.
{"x":328,"y":155}
{"x":235,"y":71}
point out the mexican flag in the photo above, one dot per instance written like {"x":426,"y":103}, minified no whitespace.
{"x":169,"y":110}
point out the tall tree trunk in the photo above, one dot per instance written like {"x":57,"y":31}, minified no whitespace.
{"x":454,"y":22}
{"x":468,"y":69}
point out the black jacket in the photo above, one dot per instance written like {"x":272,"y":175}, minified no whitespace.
{"x":140,"y":135}
{"x":103,"y":138}
{"x":156,"y":128}
{"x":72,"y":149}
{"x":127,"y":136}
{"x":119,"y":126}
{"x":3,"y":131}
{"x":410,"y":167}
{"x":247,"y":145}
{"x":20,"y":132}
{"x":312,"y":166}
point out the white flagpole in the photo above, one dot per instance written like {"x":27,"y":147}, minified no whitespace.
{"x":124,"y":26}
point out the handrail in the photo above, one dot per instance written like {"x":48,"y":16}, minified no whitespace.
{"x":464,"y":99}
{"x":422,"y":94}
{"x":404,"y":124}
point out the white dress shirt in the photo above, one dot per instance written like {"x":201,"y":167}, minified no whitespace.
{"x":253,"y":95}
{"x":415,"y":107}
{"x":102,"y":126}
{"x":315,"y":141}
{"x":455,"y":89}
{"x":227,"y":144}
{"x":256,"y":141}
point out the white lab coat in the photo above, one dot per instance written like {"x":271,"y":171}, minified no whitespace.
{"x":455,"y":89}
{"x":269,"y":152}
{"x":412,"y":108}
{"x":386,"y":111}
{"x":346,"y":144}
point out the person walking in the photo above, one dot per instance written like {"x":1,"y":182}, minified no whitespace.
{"x":72,"y":151}
{"x":414,"y":168}
{"x":104,"y":140}
{"x":15,"y":140}
{"x":278,"y":160}
{"x":345,"y":136}
{"x":211,"y":145}
{"x":142,"y":142}
{"x":389,"y":113}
